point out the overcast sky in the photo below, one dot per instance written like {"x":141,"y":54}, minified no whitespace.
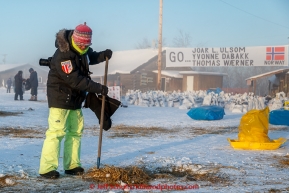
{"x":28,"y":27}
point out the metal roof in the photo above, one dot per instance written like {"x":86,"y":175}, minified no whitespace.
{"x":268,"y":74}
{"x":179,"y":74}
{"x":124,"y":61}
{"x":170,"y":73}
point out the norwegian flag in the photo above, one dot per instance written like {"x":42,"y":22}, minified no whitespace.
{"x":275,"y":53}
{"x":66,"y":66}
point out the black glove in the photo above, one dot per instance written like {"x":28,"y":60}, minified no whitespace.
{"x":107,"y":53}
{"x":104,"y":90}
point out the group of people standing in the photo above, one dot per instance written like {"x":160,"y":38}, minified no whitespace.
{"x":19,"y":83}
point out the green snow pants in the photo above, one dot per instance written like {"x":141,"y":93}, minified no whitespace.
{"x":62,"y":123}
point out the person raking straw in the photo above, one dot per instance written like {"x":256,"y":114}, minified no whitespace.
{"x":68,"y":82}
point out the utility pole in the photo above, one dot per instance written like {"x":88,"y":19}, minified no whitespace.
{"x":160,"y":45}
{"x":4,"y":59}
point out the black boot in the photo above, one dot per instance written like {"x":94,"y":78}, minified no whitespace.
{"x":52,"y":174}
{"x":75,"y":171}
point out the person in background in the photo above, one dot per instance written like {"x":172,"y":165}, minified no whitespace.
{"x":9,"y":84}
{"x":34,"y":84}
{"x":67,"y":85}
{"x":18,"y":84}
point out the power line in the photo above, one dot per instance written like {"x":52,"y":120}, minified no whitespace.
{"x":254,"y":15}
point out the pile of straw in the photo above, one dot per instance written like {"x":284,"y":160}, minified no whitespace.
{"x":115,"y":175}
{"x":7,"y":181}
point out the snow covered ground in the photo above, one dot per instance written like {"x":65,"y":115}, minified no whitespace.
{"x":152,"y":137}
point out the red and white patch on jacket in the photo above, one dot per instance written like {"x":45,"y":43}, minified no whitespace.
{"x":67,"y":66}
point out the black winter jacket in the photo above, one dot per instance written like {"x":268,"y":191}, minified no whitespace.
{"x":18,"y":82}
{"x":33,"y":79}
{"x":68,"y":78}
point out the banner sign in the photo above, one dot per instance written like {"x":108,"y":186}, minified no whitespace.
{"x":229,"y":56}
{"x":114,"y":92}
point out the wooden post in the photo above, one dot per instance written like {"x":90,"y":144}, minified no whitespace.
{"x":254,"y":86}
{"x":160,"y":45}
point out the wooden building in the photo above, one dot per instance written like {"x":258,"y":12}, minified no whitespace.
{"x":175,"y":78}
{"x":146,"y":75}
{"x":194,"y":80}
{"x":138,"y":70}
{"x":171,"y":80}
{"x":121,"y":70}
{"x":278,"y":81}
{"x":134,"y":70}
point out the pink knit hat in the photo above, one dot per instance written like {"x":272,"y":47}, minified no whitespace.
{"x":82,"y":35}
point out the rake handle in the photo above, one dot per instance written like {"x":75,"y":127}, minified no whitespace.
{"x":102,"y":115}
